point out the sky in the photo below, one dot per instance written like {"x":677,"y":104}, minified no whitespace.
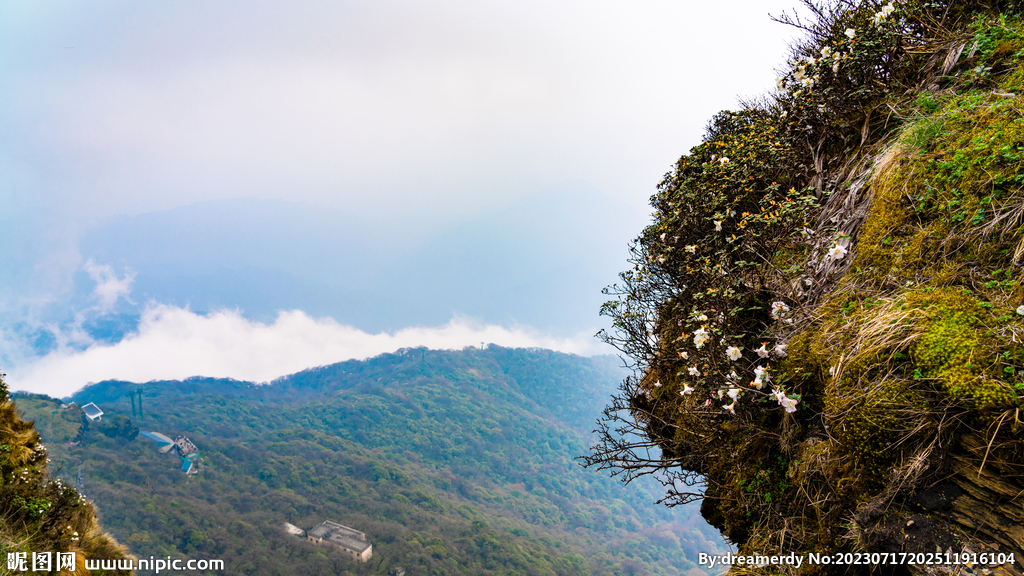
{"x":247,"y":189}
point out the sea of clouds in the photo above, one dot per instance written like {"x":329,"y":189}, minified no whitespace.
{"x":174,"y":343}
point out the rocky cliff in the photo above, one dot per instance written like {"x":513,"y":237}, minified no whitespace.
{"x":826,"y":314}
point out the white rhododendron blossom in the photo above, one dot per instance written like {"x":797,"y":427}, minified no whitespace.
{"x":780,"y":350}
{"x":882,"y":14}
{"x":693,"y":371}
{"x":692,"y":249}
{"x":687,"y":390}
{"x":785,"y":401}
{"x":684,"y":355}
{"x":730,"y":408}
{"x":700,"y":337}
{"x":718,"y":225}
{"x":836,"y":251}
{"x":789,"y":404}
{"x":734,"y":393}
{"x":762,"y":351}
{"x":851,"y":32}
{"x":779,"y":309}
{"x":733,"y":353}
{"x":760,"y":372}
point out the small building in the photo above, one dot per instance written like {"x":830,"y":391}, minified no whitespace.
{"x":164,"y":444}
{"x":185,"y":447}
{"x":189,"y":467}
{"x":92,"y":411}
{"x":352,"y":541}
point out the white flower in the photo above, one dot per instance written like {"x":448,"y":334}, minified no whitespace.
{"x":788,"y":403}
{"x":1020,"y":309}
{"x":723,"y":160}
{"x":684,"y":355}
{"x":779,"y":309}
{"x":733,"y":353}
{"x":762,"y":351}
{"x":718,"y":225}
{"x":657,"y":383}
{"x":882,"y":14}
{"x":661,"y":259}
{"x":692,"y":249}
{"x":781,"y":83}
{"x":826,"y":52}
{"x":759,"y":372}
{"x":732,"y":375}
{"x":835,"y":67}
{"x":757,"y":383}
{"x":721,"y":394}
{"x":780,"y":350}
{"x":703,"y":317}
{"x":663,"y":237}
{"x":693,"y":370}
{"x":836,"y":251}
{"x":687,"y":390}
{"x":734,"y":393}
{"x":700,"y":337}
{"x":851,"y":32}
{"x":730,"y":408}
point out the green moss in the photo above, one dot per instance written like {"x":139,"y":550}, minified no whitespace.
{"x":957,"y":350}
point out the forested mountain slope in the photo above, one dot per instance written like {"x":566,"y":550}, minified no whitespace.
{"x":827,"y":311}
{"x":450,"y":462}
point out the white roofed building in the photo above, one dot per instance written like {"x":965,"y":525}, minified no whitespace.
{"x":92,"y":411}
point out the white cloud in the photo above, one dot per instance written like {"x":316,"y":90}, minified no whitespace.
{"x":175,"y":343}
{"x":109,"y":287}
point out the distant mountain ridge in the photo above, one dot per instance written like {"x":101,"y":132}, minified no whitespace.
{"x":263,"y":256}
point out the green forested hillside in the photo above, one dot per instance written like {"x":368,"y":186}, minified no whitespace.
{"x":451,"y":462}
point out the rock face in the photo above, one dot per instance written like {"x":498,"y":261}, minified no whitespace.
{"x":827,"y":313}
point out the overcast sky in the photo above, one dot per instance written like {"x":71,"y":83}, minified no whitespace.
{"x":415,"y":116}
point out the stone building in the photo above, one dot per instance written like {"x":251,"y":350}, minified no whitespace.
{"x":352,"y":541}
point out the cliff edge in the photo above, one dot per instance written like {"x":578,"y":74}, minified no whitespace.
{"x":826,"y":316}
